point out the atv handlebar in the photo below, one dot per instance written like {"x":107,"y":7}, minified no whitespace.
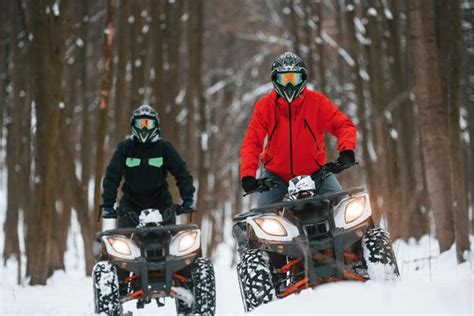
{"x":267,"y":184}
{"x":169,"y":214}
{"x":327,"y":170}
{"x":263,"y":184}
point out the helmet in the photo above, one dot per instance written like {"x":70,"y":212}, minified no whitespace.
{"x":301,"y":187}
{"x":289,"y":75}
{"x":145,"y":124}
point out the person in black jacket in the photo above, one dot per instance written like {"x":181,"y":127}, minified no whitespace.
{"x":143,"y":160}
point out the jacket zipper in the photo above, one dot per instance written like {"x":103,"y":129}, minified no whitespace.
{"x":311,"y":132}
{"x":314,"y":138}
{"x":271,"y":134}
{"x":291,"y":142}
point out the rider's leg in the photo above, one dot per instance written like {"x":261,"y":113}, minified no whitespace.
{"x":330,"y":185}
{"x":276,"y":194}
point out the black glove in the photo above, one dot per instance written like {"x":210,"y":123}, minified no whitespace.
{"x":186,"y":207}
{"x":249,"y":184}
{"x":170,"y":213}
{"x":345,"y":160}
{"x":108,"y":211}
{"x":346,"y":157}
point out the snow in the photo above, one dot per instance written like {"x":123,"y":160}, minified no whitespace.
{"x":372,"y":12}
{"x":431,"y":283}
{"x":56,"y":8}
{"x":388,"y":13}
{"x":359,"y":25}
{"x":347,"y":58}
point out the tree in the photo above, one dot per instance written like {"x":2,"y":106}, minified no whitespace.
{"x":432,"y":118}
{"x":48,"y":54}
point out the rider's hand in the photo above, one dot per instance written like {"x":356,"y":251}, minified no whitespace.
{"x":249,"y":183}
{"x":186,"y":207}
{"x":345,"y":160}
{"x":108,"y":211}
{"x":346,"y":157}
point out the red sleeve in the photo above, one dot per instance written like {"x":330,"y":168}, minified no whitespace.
{"x":338,"y":124}
{"x":252,"y":145}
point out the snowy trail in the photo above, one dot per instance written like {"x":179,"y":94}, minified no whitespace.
{"x":428,"y":286}
{"x":450,"y":291}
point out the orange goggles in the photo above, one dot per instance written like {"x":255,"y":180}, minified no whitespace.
{"x":295,"y":78}
{"x":144,"y":122}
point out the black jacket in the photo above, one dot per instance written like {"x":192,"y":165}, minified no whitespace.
{"x":144,"y":166}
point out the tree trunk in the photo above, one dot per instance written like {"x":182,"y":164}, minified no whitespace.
{"x":48,"y":51}
{"x":157,"y":11}
{"x":4,"y":20}
{"x":317,"y":9}
{"x":309,"y":36}
{"x":86,"y":135}
{"x":355,"y":51}
{"x":14,"y":133}
{"x":432,"y":118}
{"x":458,"y":182}
{"x":104,"y":103}
{"x":386,"y":156}
{"x":121,"y":87}
{"x":295,"y":27}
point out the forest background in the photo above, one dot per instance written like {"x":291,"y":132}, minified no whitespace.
{"x":71,"y":72}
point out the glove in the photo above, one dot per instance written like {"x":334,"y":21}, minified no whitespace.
{"x":249,"y":184}
{"x":108,"y":211}
{"x":346,"y":157}
{"x":186,"y":207}
{"x":345,"y":160}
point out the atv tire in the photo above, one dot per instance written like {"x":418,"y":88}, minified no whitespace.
{"x":379,"y":256}
{"x":203,"y":285}
{"x":106,"y":289}
{"x":255,"y":279}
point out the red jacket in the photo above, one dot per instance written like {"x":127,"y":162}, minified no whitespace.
{"x":295,"y":143}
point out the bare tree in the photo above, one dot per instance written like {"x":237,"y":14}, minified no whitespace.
{"x":48,"y":52}
{"x":432,"y":118}
{"x":104,"y":102}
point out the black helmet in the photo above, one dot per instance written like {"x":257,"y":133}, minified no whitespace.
{"x":145,"y":124}
{"x":289,"y":75}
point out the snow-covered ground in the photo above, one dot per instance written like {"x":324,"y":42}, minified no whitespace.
{"x":430,"y":284}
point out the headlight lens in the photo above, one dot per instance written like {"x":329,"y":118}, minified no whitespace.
{"x":271,"y":226}
{"x":354,"y":209}
{"x":185,"y":242}
{"x":120,"y":245}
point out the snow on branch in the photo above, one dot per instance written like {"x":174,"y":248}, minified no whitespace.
{"x":341,"y":51}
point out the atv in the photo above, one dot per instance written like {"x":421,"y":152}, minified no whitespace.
{"x":309,"y":239}
{"x":154,"y":260}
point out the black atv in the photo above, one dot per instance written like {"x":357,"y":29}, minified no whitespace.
{"x":309,"y":239}
{"x":154,"y":260}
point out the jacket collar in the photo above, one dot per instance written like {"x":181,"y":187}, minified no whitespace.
{"x":282,"y":102}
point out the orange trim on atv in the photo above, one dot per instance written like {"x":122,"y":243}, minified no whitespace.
{"x":288,"y":266}
{"x":354,"y":276}
{"x":179,"y":278}
{"x":298,"y":286}
{"x":136,"y":294}
{"x":351,"y":257}
{"x":131,"y":278}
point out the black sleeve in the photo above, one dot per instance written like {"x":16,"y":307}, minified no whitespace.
{"x":177,"y":167}
{"x":113,"y":174}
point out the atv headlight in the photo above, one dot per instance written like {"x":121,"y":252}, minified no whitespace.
{"x":121,"y":247}
{"x":185,"y":242}
{"x":354,"y":209}
{"x":271,"y":226}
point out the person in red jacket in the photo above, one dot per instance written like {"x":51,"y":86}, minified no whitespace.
{"x":290,"y":122}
